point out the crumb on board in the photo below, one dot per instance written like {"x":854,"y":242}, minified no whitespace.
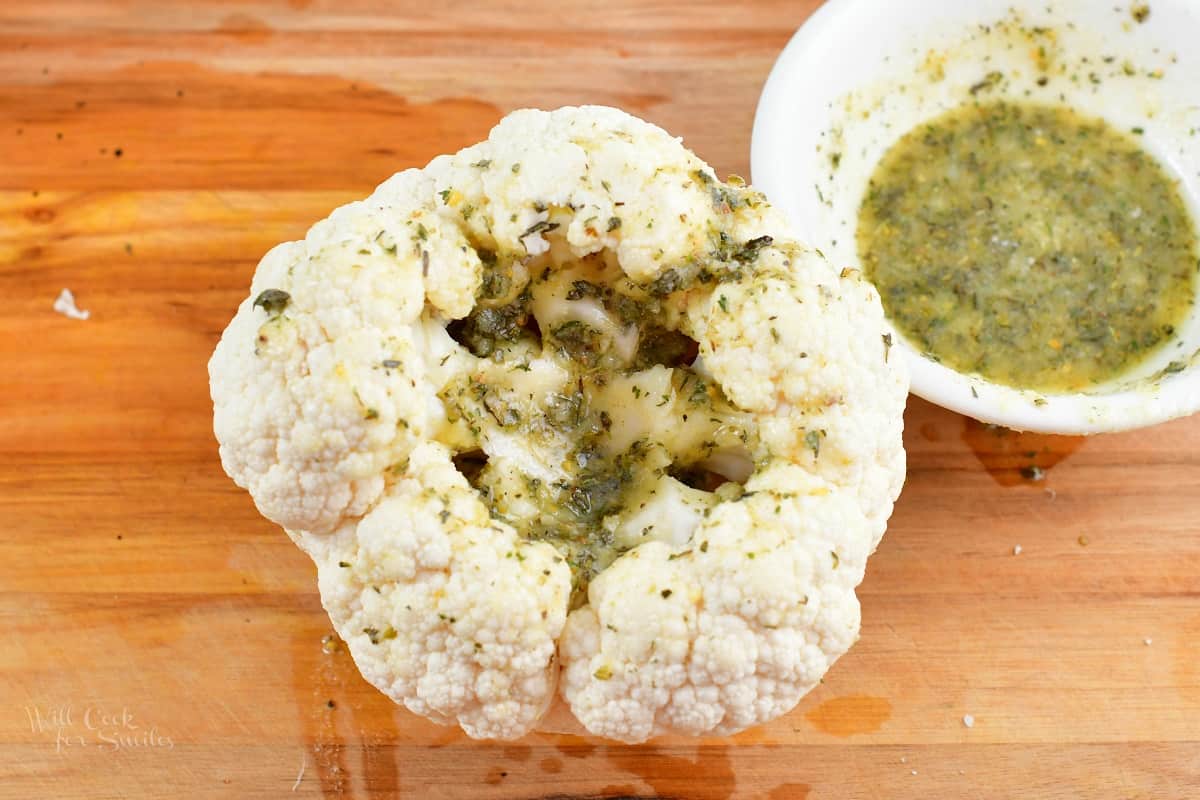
{"x":300,"y":776}
{"x":1017,"y":549}
{"x":1147,"y":641}
{"x":65,"y":305}
{"x":968,"y":721}
{"x":1083,"y":540}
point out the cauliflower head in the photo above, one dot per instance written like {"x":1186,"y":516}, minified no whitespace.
{"x":563,"y":414}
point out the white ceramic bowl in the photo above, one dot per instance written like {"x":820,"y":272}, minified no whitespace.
{"x":861,"y":73}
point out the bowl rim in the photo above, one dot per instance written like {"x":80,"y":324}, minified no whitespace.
{"x":1123,"y":408}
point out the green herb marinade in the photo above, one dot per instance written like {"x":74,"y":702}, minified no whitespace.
{"x":1033,"y":245}
{"x":611,"y":351}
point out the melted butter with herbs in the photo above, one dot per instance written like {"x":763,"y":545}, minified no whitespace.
{"x":1035,"y":246}
{"x":590,"y":430}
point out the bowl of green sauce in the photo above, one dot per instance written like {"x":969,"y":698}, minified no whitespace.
{"x":1021,"y":184}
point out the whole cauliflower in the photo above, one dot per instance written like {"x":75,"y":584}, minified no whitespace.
{"x":564,"y":405}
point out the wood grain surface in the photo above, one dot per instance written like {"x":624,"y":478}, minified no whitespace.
{"x":160,"y":639}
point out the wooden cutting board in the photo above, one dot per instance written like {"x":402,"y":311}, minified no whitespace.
{"x":160,"y":639}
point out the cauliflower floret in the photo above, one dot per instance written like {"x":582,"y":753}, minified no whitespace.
{"x":324,"y":378}
{"x":444,"y":609}
{"x":815,"y":387}
{"x":729,"y":632}
{"x":565,"y":405}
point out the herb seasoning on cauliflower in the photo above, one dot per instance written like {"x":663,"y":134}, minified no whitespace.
{"x":563,"y":413}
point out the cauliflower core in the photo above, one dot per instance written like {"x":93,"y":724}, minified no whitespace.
{"x":598,"y":435}
{"x":564,"y":413}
